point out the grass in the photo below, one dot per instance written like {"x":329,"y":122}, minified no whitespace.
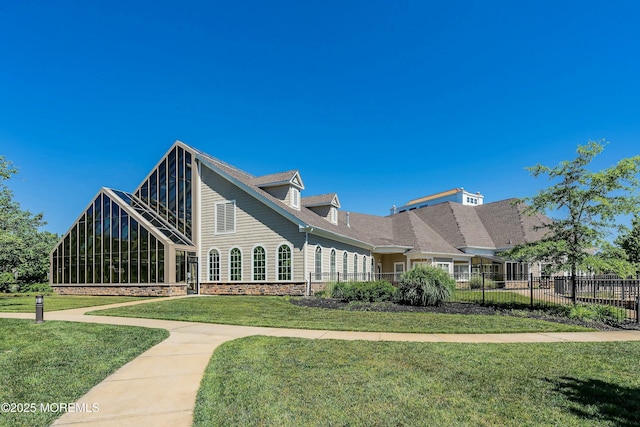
{"x":492,"y":297}
{"x":21,"y":303}
{"x":58,"y":362}
{"x":285,"y":381}
{"x":279,"y":312}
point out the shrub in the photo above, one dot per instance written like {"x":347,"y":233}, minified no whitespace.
{"x":41,"y":288}
{"x":425,"y":286}
{"x":476,"y":283}
{"x":6,"y":279}
{"x":600,"y":313}
{"x":364,"y":291}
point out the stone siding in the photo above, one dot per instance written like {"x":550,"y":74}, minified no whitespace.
{"x":293,"y":289}
{"x":132,"y":291}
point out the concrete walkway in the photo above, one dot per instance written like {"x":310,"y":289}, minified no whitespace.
{"x":159,"y":387}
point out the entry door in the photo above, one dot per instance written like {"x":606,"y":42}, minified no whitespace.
{"x":192,"y":274}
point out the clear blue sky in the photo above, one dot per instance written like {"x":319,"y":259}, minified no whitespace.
{"x":380,"y":102}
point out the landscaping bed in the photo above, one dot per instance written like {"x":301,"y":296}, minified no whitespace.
{"x":457,"y":308}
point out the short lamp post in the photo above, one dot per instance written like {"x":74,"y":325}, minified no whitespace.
{"x":39,"y":309}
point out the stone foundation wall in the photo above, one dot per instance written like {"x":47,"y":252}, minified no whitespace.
{"x":293,"y":289}
{"x":130,"y":291}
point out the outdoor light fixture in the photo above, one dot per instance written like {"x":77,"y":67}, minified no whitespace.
{"x":39,"y":309}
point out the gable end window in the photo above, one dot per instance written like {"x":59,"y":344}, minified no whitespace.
{"x":226,"y":217}
{"x":295,"y":197}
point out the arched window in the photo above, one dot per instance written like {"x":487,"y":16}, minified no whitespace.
{"x":355,"y":266}
{"x":318,"y":263}
{"x":259,"y":264}
{"x":284,"y":262}
{"x":332,"y":264}
{"x":235,"y":264}
{"x":364,"y":267}
{"x":345,"y":265}
{"x":214,"y":265}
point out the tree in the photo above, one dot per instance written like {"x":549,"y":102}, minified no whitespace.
{"x":23,"y":248}
{"x":629,"y":242}
{"x":588,"y":204}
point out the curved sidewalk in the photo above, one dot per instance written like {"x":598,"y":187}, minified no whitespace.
{"x":159,"y":387}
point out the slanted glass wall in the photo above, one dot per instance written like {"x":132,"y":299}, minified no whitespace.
{"x":107,"y":246}
{"x":168,"y":190}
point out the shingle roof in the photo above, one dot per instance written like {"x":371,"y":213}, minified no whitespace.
{"x":274,"y":178}
{"x":321,"y":200}
{"x":412,"y":231}
{"x":440,"y":228}
{"x":508,"y":224}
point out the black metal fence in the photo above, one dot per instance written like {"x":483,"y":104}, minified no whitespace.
{"x":621,"y":296}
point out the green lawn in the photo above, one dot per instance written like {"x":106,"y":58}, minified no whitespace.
{"x":20,"y":303}
{"x":58,"y":362}
{"x":279,"y":312}
{"x":285,"y":381}
{"x":494,"y":297}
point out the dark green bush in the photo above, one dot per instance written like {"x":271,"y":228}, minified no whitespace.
{"x":364,"y":291}
{"x":42,"y":288}
{"x":6,"y":279}
{"x":424,"y":286}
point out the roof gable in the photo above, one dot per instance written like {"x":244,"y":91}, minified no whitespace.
{"x":330,"y":199}
{"x":291,"y":177}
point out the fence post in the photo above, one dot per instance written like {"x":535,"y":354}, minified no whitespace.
{"x":483,"y":288}
{"x":531,"y":287}
{"x":638,"y":309}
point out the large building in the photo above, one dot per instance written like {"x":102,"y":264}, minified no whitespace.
{"x":196,"y":224}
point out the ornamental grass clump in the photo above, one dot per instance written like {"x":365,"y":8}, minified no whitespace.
{"x":425,"y":286}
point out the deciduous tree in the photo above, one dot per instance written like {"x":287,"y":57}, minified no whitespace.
{"x":585,"y":207}
{"x":24,"y":249}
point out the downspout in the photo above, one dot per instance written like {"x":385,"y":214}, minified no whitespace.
{"x":201,"y":256}
{"x":304,"y":254}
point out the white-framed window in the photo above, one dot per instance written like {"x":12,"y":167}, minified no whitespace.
{"x":226,"y":217}
{"x":461,"y":272}
{"x":235,"y":264}
{"x":334,"y":215}
{"x":398,"y":269}
{"x":332,"y":264}
{"x":444,"y":266}
{"x":295,"y":197}
{"x":364,"y":266}
{"x":355,"y":266}
{"x":345,"y":265}
{"x":284,"y":262}
{"x":214,"y":265}
{"x":318,"y":262}
{"x":259,"y":263}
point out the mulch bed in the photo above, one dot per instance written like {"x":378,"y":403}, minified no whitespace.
{"x":454,"y":308}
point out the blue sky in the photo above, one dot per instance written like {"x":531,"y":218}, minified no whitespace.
{"x":381,"y":102}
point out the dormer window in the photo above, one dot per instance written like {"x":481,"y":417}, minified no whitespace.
{"x":295,"y":198}
{"x":325,"y":205}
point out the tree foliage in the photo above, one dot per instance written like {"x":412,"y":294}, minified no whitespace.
{"x":23,"y":248}
{"x":629,"y":243}
{"x":588,"y":204}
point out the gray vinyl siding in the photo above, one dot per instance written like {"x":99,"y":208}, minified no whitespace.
{"x":327,"y":245}
{"x":281,"y":192}
{"x":256,"y":224}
